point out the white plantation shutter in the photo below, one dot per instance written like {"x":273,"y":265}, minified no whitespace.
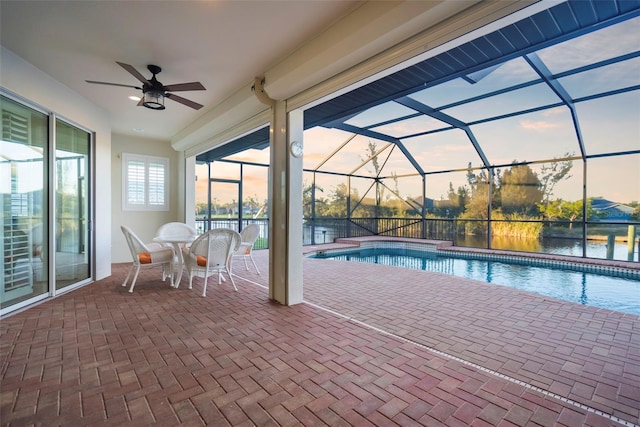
{"x":146,"y":182}
{"x":157,"y":171}
{"x":15,"y":128}
{"x":135,"y":183}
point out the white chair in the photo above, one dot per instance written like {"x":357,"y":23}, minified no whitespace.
{"x":37,"y":245}
{"x":248,"y":236}
{"x":173,"y":230}
{"x":211,"y":254}
{"x":146,"y":255}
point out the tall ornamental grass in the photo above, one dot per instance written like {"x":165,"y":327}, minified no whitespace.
{"x":515,"y":225}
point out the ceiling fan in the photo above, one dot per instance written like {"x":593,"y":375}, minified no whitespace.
{"x":153,"y":91}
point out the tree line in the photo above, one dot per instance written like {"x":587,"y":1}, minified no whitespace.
{"x":517,"y":193}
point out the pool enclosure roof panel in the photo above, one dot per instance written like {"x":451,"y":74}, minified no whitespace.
{"x":481,"y":60}
{"x":559,"y":23}
{"x":257,"y":140}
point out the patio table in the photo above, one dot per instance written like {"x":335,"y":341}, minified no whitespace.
{"x":177,"y":242}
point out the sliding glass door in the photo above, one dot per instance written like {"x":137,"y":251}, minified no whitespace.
{"x":45,"y":204}
{"x":23,"y":192}
{"x":72,"y":251}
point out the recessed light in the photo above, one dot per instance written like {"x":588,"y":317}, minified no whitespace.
{"x":134,"y":98}
{"x":138,"y":130}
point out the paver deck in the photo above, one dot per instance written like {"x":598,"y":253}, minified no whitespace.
{"x":371,"y":345}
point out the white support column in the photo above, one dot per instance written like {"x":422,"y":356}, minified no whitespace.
{"x":285,"y":213}
{"x":188,"y":189}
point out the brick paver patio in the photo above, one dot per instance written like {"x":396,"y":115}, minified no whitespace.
{"x":372,"y":345}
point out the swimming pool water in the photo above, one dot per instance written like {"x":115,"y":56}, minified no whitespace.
{"x":598,"y":290}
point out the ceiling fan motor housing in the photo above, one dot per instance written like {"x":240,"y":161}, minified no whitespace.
{"x":153,"y":84}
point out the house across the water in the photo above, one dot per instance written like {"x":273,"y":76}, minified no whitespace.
{"x":606,"y":210}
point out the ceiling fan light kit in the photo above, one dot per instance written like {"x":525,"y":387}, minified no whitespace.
{"x":154,"y":92}
{"x":154,"y":100}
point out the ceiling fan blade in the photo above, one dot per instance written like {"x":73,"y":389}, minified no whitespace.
{"x":112,"y":84}
{"x":184,"y":101}
{"x":133,"y":71}
{"x":184,"y":86}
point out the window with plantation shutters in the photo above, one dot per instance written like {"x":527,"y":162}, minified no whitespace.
{"x":146,"y":183}
{"x":15,"y":127}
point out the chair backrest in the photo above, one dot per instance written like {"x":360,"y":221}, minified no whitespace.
{"x":37,"y":240}
{"x":175,"y":229}
{"x":136,"y":245}
{"x":37,"y":235}
{"x":216,"y":246}
{"x":250,"y":233}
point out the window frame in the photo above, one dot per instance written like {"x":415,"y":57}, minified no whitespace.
{"x":148,"y":161}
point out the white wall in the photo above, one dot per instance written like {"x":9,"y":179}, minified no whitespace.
{"x":30,"y":83}
{"x":143,"y":223}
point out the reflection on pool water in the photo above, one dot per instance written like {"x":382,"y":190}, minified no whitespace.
{"x":598,"y":290}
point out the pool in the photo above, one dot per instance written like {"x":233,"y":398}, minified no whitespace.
{"x":611,"y":288}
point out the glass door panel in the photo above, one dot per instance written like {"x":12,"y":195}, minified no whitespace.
{"x":72,"y":205}
{"x":225,"y":204}
{"x":23,"y":217}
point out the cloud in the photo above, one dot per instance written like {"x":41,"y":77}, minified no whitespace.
{"x":411,"y":126}
{"x":554,"y":111}
{"x":313,"y":159}
{"x":538,"y":125}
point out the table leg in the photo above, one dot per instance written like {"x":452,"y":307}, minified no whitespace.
{"x":180,"y":266}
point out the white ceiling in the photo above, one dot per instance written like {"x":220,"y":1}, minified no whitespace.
{"x":222,"y":44}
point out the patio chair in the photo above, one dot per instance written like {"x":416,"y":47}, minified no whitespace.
{"x":146,"y":255}
{"x":37,"y":247}
{"x":174,"y":230}
{"x":249,"y":235}
{"x":211,"y":254}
